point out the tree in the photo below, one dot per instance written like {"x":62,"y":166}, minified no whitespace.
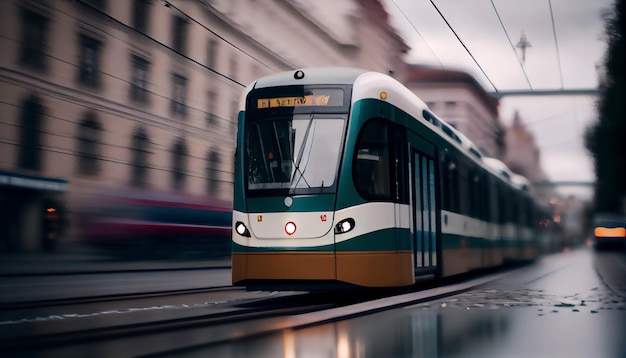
{"x":606,"y":139}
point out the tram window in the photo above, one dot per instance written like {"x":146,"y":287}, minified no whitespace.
{"x":450,"y":184}
{"x":399,"y":182}
{"x":451,"y":133}
{"x":464,"y":188}
{"x":371,"y":163}
{"x":447,"y":186}
{"x":475,"y":152}
{"x":502,"y":216}
{"x":529,"y":212}
{"x":430,"y":117}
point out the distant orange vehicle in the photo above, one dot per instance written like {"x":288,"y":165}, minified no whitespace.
{"x":609,"y":230}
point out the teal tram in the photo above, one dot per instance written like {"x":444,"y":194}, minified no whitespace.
{"x":345,"y":177}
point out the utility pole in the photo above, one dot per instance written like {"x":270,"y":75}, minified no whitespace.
{"x":523,"y":44}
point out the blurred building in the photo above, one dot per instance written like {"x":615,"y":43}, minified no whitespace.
{"x":99,"y":95}
{"x":319,"y":33}
{"x":462,"y":102}
{"x":523,"y":157}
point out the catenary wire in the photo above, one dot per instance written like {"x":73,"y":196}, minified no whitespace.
{"x":58,"y":150}
{"x":465,"y":47}
{"x":160,"y":43}
{"x":511,"y":43}
{"x":418,"y":33}
{"x":556,"y":42}
{"x":169,"y":4}
{"x":69,"y":152}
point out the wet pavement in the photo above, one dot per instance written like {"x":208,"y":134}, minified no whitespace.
{"x":571,"y":304}
{"x":77,"y":271}
{"x":78,"y":259}
{"x":558,"y":307}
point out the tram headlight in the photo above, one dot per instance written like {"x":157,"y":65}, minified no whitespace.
{"x":242,"y":229}
{"x":290,"y":228}
{"x":344,"y":226}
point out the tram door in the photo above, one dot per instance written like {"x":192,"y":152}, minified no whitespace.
{"x":424,"y":204}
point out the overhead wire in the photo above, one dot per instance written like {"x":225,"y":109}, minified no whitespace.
{"x":506,"y":33}
{"x":556,"y":42}
{"x":109,"y":17}
{"x":418,"y":33}
{"x":511,"y":43}
{"x":61,"y":150}
{"x":169,"y":4}
{"x":74,"y":99}
{"x":464,"y":46}
{"x":120,"y":23}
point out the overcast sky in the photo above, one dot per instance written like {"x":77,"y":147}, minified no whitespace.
{"x":569,"y":62}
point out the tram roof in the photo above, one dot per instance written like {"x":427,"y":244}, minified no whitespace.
{"x":312,"y":75}
{"x":349,"y":75}
{"x":518,"y":181}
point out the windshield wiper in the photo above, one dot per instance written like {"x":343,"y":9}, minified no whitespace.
{"x":300,"y":153}
{"x":306,"y":165}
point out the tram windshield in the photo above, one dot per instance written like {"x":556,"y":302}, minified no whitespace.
{"x":299,"y":152}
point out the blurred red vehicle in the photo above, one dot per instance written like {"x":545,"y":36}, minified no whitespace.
{"x":144,"y":222}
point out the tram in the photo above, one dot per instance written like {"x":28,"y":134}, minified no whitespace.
{"x":344,"y":177}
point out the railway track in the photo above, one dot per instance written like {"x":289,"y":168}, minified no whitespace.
{"x":7,"y":306}
{"x":167,"y":322}
{"x":99,"y":335}
{"x":55,"y":330}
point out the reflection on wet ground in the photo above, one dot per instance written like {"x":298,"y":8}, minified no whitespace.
{"x":593,"y":301}
{"x":558,"y":307}
{"x":447,"y":332}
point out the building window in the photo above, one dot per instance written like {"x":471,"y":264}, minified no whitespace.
{"x":371,"y":166}
{"x":140,"y":15}
{"x":212,"y":175}
{"x":212,"y":54}
{"x":179,"y":94}
{"x":180,"y":34}
{"x":139,"y":80}
{"x":34,"y":30}
{"x":179,"y":164}
{"x":89,"y":62}
{"x":140,"y":152}
{"x":30,"y":134}
{"x":211,"y":117}
{"x":89,"y":134}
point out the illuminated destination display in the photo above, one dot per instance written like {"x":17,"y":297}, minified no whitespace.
{"x":310,"y":100}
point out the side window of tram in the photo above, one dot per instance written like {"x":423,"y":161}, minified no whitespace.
{"x":371,"y":163}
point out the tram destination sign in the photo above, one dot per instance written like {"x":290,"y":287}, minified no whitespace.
{"x":310,"y":100}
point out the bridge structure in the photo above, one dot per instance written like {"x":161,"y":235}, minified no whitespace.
{"x":563,"y":183}
{"x":554,"y":92}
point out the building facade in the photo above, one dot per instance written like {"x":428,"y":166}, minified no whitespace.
{"x":102,"y":95}
{"x":524,"y":157}
{"x":462,"y":102}
{"x":522,"y":154}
